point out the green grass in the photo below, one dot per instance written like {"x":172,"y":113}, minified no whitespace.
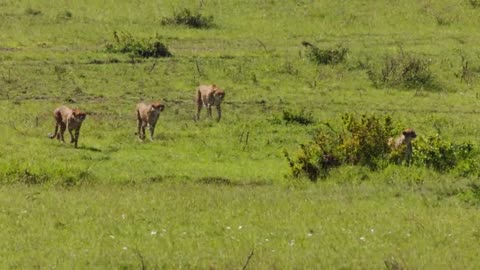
{"x":214,"y":226}
{"x":61,"y":206}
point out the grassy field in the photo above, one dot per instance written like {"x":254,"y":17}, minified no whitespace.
{"x":206,"y":195}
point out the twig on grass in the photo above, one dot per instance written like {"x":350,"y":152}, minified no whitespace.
{"x":246,"y":140}
{"x":248,"y":260}
{"x":198,"y":68}
{"x":262,"y":44}
{"x":153,"y":66}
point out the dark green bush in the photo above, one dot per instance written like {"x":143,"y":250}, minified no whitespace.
{"x":327,"y":56}
{"x":403,"y":70}
{"x":190,"y":19}
{"x":126,"y":43}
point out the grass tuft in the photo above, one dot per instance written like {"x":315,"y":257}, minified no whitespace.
{"x":189,"y":18}
{"x":126,"y":43}
{"x":325,"y":56}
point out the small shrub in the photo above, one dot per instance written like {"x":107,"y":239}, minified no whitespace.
{"x":315,"y":159}
{"x":440,"y":155}
{"x":214,"y":180}
{"x":443,"y":19}
{"x":26,"y":176}
{"x":363,"y":141}
{"x":467,"y":73}
{"x":190,"y":19}
{"x":126,"y":43}
{"x":32,"y":12}
{"x":76,"y":178}
{"x":65,"y":15}
{"x":471,"y":194}
{"x":288,"y":68}
{"x":403,"y":70}
{"x":327,"y":56}
{"x":300,"y":117}
{"x":474,"y":3}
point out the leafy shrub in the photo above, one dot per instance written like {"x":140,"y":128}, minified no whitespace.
{"x":434,"y":152}
{"x":363,"y":141}
{"x":126,"y":43}
{"x":327,"y":56}
{"x":403,"y":70}
{"x":313,"y":160}
{"x":190,"y":19}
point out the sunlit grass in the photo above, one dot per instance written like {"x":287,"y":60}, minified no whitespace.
{"x":205,"y":195}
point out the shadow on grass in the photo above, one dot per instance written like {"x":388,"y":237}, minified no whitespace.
{"x":90,"y":148}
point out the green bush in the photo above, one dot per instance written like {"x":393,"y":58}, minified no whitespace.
{"x":365,"y":141}
{"x":436,"y":153}
{"x":327,"y":56}
{"x":316,"y":158}
{"x":474,"y":3}
{"x":126,"y":43}
{"x":471,"y":194}
{"x":190,"y":19}
{"x":362,"y":141}
{"x":403,"y":70}
{"x":29,"y":177}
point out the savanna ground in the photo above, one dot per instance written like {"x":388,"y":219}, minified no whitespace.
{"x":220,"y":195}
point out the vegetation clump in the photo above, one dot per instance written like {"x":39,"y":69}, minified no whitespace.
{"x":190,"y":19}
{"x":474,"y":3}
{"x":148,"y":47}
{"x":404,"y":71}
{"x":33,"y":12}
{"x":325,"y":56}
{"x":443,"y":156}
{"x":470,"y":193}
{"x":295,"y":117}
{"x":363,"y":141}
